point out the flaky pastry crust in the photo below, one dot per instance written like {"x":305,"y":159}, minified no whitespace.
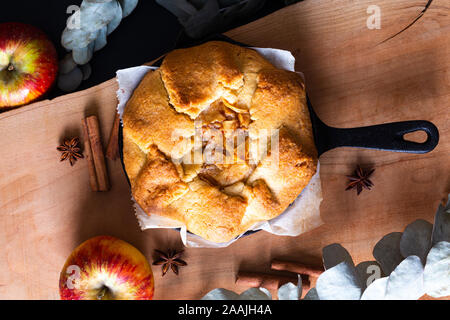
{"x":218,"y":89}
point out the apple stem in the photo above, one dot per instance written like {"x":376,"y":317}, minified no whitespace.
{"x":102,"y":293}
{"x":10,"y":67}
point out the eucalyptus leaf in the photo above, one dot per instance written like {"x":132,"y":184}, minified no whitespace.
{"x":437,"y":270}
{"x":387,"y":252}
{"x":311,"y":295}
{"x":255,"y":294}
{"x":206,"y":20}
{"x":198,"y":4}
{"x":77,"y":38}
{"x":202,"y":17}
{"x":83,"y":55}
{"x":94,"y":16}
{"x":406,"y":281}
{"x":241,"y":9}
{"x":182,"y":9}
{"x":99,"y":1}
{"x":221,"y":294}
{"x":114,"y":23}
{"x":70,"y":81}
{"x":416,"y":239}
{"x":376,"y":290}
{"x":66,"y":64}
{"x":100,"y":42}
{"x":290,"y":291}
{"x":227,"y":3}
{"x":128,"y":6}
{"x":86,"y":70}
{"x":441,"y":229}
{"x":334,"y":254}
{"x":339,"y":283}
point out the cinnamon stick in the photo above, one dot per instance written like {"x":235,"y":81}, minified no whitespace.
{"x":94,"y":135}
{"x":296,"y":267}
{"x":268,"y":281}
{"x":112,"y":150}
{"x":90,"y":160}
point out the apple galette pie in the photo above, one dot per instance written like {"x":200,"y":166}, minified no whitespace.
{"x":219,"y":139}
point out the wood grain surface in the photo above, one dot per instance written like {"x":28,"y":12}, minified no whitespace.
{"x":353,"y":79}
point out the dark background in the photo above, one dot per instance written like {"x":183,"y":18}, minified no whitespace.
{"x":147,"y":33}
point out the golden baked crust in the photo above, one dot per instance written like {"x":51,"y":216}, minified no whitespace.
{"x":255,"y":153}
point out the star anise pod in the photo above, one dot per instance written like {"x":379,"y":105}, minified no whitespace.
{"x":360,"y":180}
{"x":70,"y":150}
{"x":170,"y":260}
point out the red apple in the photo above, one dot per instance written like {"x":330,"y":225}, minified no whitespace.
{"x":106,"y":268}
{"x":28,"y":64}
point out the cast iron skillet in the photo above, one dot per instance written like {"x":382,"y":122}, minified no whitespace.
{"x":389,"y":136}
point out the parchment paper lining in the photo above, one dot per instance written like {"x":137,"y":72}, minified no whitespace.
{"x":301,"y":216}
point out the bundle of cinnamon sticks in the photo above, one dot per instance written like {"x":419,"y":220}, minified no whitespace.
{"x":274,"y":281}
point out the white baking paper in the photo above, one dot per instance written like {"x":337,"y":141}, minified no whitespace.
{"x":301,"y":216}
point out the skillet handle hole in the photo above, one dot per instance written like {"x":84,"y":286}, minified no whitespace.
{"x":418,"y":136}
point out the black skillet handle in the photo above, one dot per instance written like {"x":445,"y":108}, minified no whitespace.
{"x":389,"y":136}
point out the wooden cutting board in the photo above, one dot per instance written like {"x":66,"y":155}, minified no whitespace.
{"x":353,"y":79}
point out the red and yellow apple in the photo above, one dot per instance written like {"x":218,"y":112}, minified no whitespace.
{"x":28,"y":64}
{"x":106,"y":268}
